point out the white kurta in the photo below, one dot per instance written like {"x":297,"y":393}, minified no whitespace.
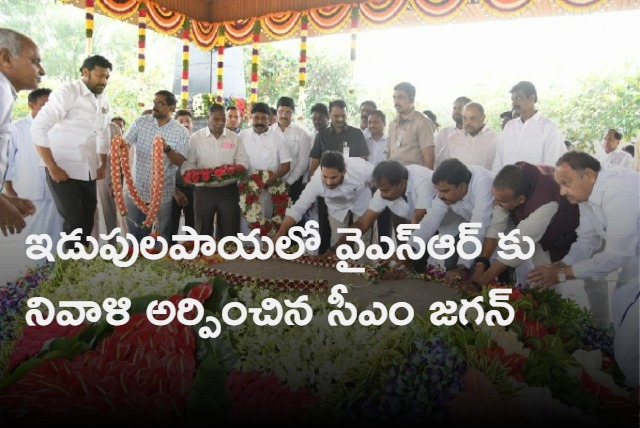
{"x":617,"y":157}
{"x":475,"y":207}
{"x":612,"y":214}
{"x":298,"y":142}
{"x":471,"y":150}
{"x":29,"y":181}
{"x":420,"y":194}
{"x":537,"y":140}
{"x":266,"y":151}
{"x":74,"y":124}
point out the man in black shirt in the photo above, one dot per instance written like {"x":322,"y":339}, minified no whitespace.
{"x":341,"y":137}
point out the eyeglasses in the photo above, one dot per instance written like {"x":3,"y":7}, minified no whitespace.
{"x":159,"y":104}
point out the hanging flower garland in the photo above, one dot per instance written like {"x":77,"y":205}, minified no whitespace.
{"x":142,"y":37}
{"x":89,"y":8}
{"x":184,"y":96}
{"x":302,"y":75}
{"x":120,"y":167}
{"x":255,"y":53}
{"x":220,"y":72}
{"x":250,"y":202}
{"x":355,"y":18}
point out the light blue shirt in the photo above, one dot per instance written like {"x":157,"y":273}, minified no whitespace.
{"x":378,"y":150}
{"x":140,"y":136}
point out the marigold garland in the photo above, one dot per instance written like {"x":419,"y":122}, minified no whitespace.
{"x":142,"y":37}
{"x":250,"y":205}
{"x":302,"y":73}
{"x":304,"y":30}
{"x":184,"y":95}
{"x":220,"y":71}
{"x":120,"y":167}
{"x":255,"y":59}
{"x":89,"y":8}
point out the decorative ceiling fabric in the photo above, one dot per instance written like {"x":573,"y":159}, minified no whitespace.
{"x":337,"y":17}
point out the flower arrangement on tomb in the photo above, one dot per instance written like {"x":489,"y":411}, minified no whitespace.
{"x":551,"y":360}
{"x":251,"y":207}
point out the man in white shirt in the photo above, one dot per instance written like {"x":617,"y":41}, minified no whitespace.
{"x":406,"y":191}
{"x":183,"y":199}
{"x":378,"y":145}
{"x":344,"y":185}
{"x":140,"y":137}
{"x":20,"y":69}
{"x":614,"y":155}
{"x":530,"y":138}
{"x":444,"y":136}
{"x":366,"y":107}
{"x":609,"y":203}
{"x":298,"y":141}
{"x":26,"y":179}
{"x":464,"y":191}
{"x":71,"y":134}
{"x":106,"y":199}
{"x":234,"y":121}
{"x":318,"y":211}
{"x":211,"y":147}
{"x":266,"y":151}
{"x":476,"y":143}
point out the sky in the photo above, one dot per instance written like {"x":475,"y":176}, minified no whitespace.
{"x":448,"y":60}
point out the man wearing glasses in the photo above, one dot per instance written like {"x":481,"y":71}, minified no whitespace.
{"x":176,"y":147}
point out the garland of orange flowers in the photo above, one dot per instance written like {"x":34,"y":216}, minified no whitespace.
{"x":120,"y":166}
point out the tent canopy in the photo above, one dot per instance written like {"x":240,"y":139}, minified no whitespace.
{"x":283,"y":19}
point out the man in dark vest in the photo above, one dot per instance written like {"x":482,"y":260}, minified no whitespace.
{"x":527,"y":197}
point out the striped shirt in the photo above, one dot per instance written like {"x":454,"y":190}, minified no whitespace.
{"x":378,"y":150}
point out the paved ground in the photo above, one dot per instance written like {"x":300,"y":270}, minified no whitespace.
{"x":13,"y":262}
{"x":420,"y":294}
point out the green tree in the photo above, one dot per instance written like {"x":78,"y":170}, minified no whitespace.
{"x":600,"y":103}
{"x":59,"y":31}
{"x":328,"y":78}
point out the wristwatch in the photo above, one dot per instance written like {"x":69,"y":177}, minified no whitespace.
{"x":167,"y":150}
{"x":562,"y":277}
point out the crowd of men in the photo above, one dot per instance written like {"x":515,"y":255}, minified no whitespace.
{"x":582,"y":213}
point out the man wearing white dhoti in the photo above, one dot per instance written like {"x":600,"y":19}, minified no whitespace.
{"x":26,"y":176}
